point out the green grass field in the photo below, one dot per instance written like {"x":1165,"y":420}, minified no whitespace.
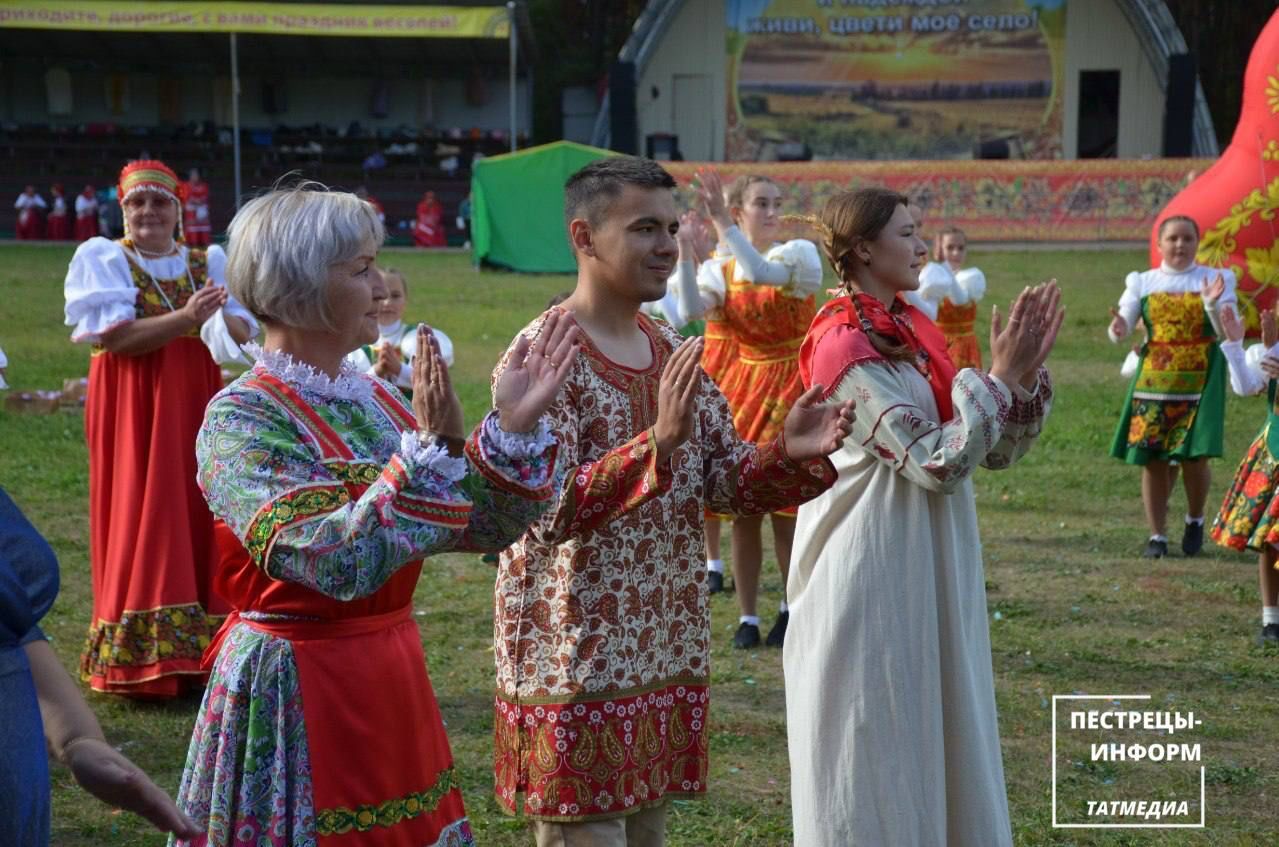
{"x":1074,"y":610}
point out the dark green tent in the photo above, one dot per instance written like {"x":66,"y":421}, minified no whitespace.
{"x":517,"y":206}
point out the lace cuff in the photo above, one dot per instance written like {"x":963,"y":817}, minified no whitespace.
{"x":515,"y":445}
{"x":429,"y":457}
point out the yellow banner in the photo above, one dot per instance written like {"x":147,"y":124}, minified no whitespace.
{"x":269,"y":18}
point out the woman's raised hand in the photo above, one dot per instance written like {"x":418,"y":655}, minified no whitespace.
{"x":1019,"y":347}
{"x":1049,"y":317}
{"x":535,"y":372}
{"x":435,"y":403}
{"x":710,"y":190}
{"x":203,"y":303}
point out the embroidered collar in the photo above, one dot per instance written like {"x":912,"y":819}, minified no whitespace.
{"x":349,"y":384}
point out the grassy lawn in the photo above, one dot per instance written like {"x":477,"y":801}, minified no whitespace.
{"x":1074,"y":610}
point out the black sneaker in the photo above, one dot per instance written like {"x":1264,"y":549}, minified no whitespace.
{"x":777,"y":635}
{"x":1269,"y":635}
{"x":714,"y":582}
{"x":1155,"y":549}
{"x":747,"y":637}
{"x":1192,"y":540}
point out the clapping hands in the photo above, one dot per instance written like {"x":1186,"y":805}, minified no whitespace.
{"x":535,"y":372}
{"x":1019,"y":348}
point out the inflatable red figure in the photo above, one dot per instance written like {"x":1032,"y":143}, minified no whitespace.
{"x":1235,"y":201}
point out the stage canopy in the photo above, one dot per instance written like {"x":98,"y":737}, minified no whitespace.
{"x":517,"y":206}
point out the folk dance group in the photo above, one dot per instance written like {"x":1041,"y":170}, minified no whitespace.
{"x":311,"y":492}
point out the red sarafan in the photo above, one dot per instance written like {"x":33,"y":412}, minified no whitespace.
{"x":1235,"y":201}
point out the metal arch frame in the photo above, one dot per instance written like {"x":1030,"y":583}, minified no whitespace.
{"x":1160,"y":38}
{"x":1150,"y":19}
{"x":647,"y":33}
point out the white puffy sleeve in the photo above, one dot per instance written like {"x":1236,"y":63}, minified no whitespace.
{"x":937,"y":283}
{"x":803,"y":264}
{"x":216,"y":258}
{"x":99,"y":290}
{"x":711,"y":290}
{"x":1129,"y":304}
{"x":1246,"y":377}
{"x":973,"y":283}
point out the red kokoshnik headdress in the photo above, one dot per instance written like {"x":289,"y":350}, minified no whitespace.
{"x":856,"y":317}
{"x":152,"y":175}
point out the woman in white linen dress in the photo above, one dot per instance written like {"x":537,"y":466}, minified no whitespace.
{"x":889,"y":689}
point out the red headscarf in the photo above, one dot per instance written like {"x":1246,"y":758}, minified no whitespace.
{"x":856,"y":317}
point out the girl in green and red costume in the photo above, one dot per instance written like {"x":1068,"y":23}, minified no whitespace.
{"x":1174,"y":412}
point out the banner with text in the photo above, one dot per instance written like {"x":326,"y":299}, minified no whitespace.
{"x":895,"y":79}
{"x":343,"y":19}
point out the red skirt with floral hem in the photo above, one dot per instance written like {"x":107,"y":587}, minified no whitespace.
{"x":151,"y":541}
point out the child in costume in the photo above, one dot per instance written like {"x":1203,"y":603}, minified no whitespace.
{"x":1249,"y":516}
{"x":1176,"y":403}
{"x":957,"y":313}
{"x":391,"y":356}
{"x":765,"y":290}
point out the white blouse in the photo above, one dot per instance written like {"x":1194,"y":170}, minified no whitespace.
{"x":1165,"y":280}
{"x":406,"y":339}
{"x":100,"y":293}
{"x":936,"y":283}
{"x":795,"y":267}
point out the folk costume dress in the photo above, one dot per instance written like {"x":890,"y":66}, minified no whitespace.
{"x":404,"y":337}
{"x":601,"y":626}
{"x":937,"y":283}
{"x":1175,"y":407}
{"x":86,"y":215}
{"x":957,"y":318}
{"x":319,"y":725}
{"x":890,"y":699}
{"x":197,"y":226}
{"x":767,"y":303}
{"x":151,"y":545}
{"x":58,"y":226}
{"x":30,"y":224}
{"x":1249,"y":514}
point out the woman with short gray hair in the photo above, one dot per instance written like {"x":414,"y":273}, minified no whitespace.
{"x":319,"y":718}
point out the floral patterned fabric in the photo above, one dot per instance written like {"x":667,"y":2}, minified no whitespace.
{"x":600,"y":605}
{"x":1176,"y":402}
{"x":335,"y":503}
{"x":147,"y":638}
{"x":957,"y":324}
{"x":1249,"y":514}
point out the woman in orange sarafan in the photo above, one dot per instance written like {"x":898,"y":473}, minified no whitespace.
{"x":765,"y":290}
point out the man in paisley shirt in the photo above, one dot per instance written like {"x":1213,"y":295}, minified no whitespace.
{"x":602,"y":628}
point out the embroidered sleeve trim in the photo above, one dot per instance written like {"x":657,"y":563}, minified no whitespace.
{"x":291,"y":508}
